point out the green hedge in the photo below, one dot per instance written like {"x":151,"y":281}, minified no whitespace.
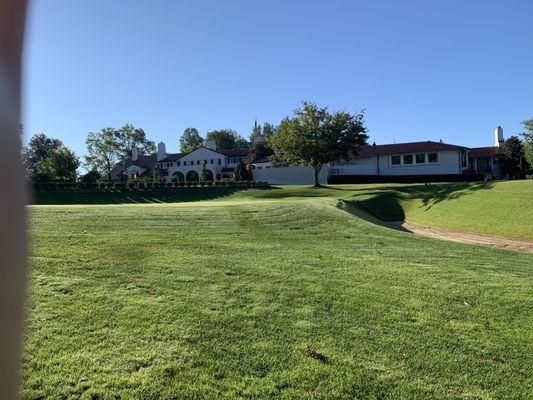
{"x":141,"y":185}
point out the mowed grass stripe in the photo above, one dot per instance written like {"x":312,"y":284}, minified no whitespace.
{"x":223,"y":300}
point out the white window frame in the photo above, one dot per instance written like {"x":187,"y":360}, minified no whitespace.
{"x":414,"y":163}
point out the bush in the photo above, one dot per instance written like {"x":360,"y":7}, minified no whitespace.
{"x":149,"y":184}
{"x":169,"y":184}
{"x":120,"y":185}
{"x":132,"y":185}
{"x":209,"y":183}
{"x":140,"y":185}
{"x":181,"y":184}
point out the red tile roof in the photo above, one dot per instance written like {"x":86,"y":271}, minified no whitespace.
{"x":485,"y":152}
{"x":413,"y":147}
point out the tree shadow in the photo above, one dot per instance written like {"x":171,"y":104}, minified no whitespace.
{"x":135,"y":196}
{"x":386,"y":202}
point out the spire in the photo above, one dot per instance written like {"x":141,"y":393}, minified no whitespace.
{"x":255,"y":123}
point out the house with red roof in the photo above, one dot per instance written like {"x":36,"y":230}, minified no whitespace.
{"x":409,"y":162}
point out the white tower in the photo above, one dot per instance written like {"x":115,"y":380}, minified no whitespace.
{"x":161,"y":151}
{"x":498,"y":137}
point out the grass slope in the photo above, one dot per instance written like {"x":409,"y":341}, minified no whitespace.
{"x":222,"y":298}
{"x":491,"y":208}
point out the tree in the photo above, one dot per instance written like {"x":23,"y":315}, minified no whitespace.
{"x":257,"y":131}
{"x":91,"y":176}
{"x":514,"y":163}
{"x":268,"y":130}
{"x":242,"y":173}
{"x":314,"y":136}
{"x":109,"y":147}
{"x":62,"y":164}
{"x":528,"y":140}
{"x":129,"y":137}
{"x":227,"y":139}
{"x":190,"y":140}
{"x":103,"y":151}
{"x":38,"y":150}
{"x":260,"y":150}
{"x":204,"y":174}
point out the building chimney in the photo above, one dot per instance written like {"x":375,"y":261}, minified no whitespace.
{"x":210,"y":144}
{"x":498,"y":137}
{"x":134,"y":154}
{"x":161,"y":151}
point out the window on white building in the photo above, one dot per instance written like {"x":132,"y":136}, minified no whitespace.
{"x":407,"y":159}
{"x":396,"y":160}
{"x":420,"y":158}
{"x":433,"y":157}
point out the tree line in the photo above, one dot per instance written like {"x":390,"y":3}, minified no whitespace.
{"x":312,"y":136}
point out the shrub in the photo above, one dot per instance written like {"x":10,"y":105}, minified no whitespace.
{"x":169,"y":184}
{"x":181,"y":184}
{"x":149,"y":184}
{"x":209,"y":183}
{"x":140,"y":185}
{"x":132,"y":185}
{"x":120,"y":185}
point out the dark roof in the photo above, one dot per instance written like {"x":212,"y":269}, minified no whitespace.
{"x":234,"y":152}
{"x":413,"y":147}
{"x":173,"y":157}
{"x":262,"y":160}
{"x":142,"y":161}
{"x":482,"y":152}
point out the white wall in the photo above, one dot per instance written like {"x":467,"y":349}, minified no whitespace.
{"x":293,"y":175}
{"x":358,"y":166}
{"x":449,"y":162}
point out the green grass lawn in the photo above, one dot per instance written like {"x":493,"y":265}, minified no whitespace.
{"x":221,"y":299}
{"x":490,"y":208}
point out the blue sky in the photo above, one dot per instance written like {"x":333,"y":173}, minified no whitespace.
{"x":423,"y":70}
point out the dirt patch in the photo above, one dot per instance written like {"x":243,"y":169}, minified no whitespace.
{"x":464,"y":237}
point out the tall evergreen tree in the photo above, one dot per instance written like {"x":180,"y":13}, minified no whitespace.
{"x":515,"y":163}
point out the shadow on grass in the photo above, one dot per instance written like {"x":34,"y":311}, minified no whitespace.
{"x":386,"y":203}
{"x":135,"y":196}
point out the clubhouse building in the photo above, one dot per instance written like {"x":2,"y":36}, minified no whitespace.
{"x":394,"y":162}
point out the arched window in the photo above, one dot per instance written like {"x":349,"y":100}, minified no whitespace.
{"x":178,"y":177}
{"x":192,"y":176}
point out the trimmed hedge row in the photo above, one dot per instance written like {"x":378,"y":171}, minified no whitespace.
{"x":141,"y":185}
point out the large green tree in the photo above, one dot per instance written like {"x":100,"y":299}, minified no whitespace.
{"x":528,"y":140}
{"x":190,"y":140}
{"x":315,"y":136}
{"x":39,"y":148}
{"x":109,"y":147}
{"x":227,"y":139}
{"x":62,"y":164}
{"x":514,"y":163}
{"x":129,"y":137}
{"x":103,"y":151}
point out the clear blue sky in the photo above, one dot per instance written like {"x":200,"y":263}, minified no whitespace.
{"x":423,"y":70}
